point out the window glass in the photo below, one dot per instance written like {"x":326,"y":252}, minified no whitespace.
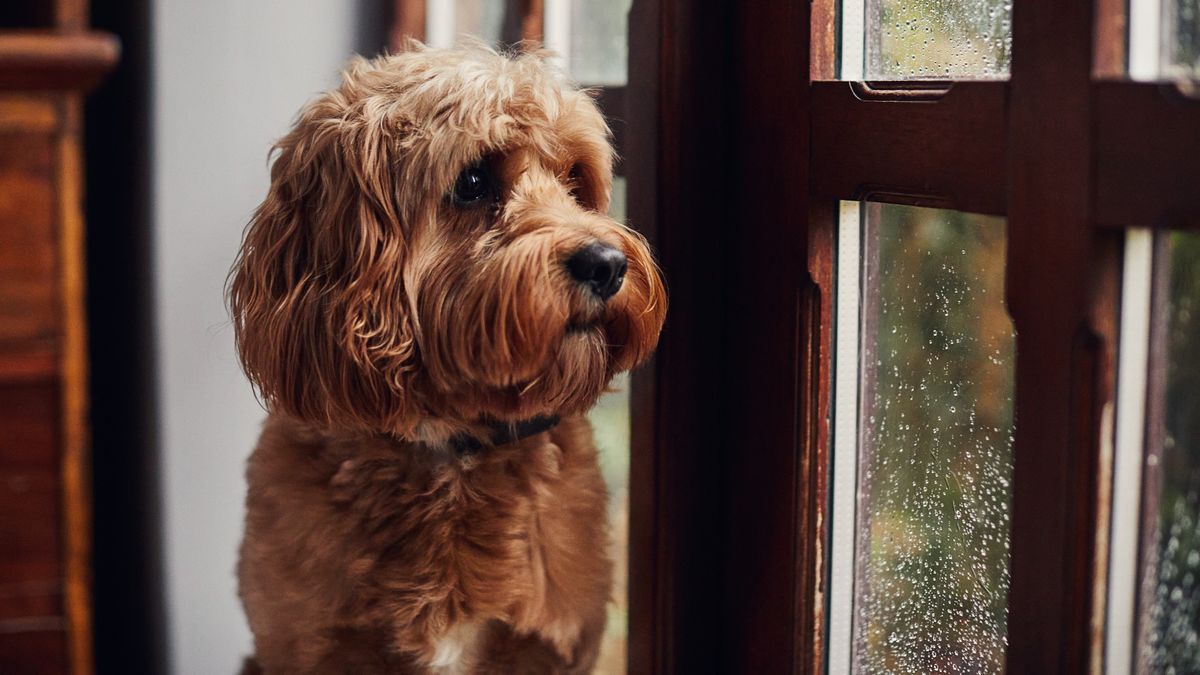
{"x":610,"y":422}
{"x":598,"y":53}
{"x":1183,"y":38}
{"x":1169,"y":628}
{"x":931,"y":39}
{"x":483,"y":19}
{"x":936,"y":428}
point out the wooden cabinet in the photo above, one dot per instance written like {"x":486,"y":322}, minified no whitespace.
{"x":47,"y":61}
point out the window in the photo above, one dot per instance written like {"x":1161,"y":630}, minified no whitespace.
{"x":1153,"y":624}
{"x":933,"y":463}
{"x":1005,"y":115}
{"x":924,"y":382}
{"x":927,"y":39}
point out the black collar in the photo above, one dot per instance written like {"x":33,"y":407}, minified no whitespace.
{"x":502,"y":433}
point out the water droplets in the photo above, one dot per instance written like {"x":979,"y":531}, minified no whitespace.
{"x":932,"y":552}
{"x":932,"y":38}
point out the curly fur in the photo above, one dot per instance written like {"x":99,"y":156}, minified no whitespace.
{"x":378,"y":319}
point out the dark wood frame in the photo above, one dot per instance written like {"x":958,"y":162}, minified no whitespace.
{"x":738,"y":145}
{"x":1069,"y":157}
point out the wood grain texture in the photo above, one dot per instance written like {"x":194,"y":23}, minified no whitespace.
{"x":1111,"y":38}
{"x":36,"y":649}
{"x":824,"y":39}
{"x":32,"y":627}
{"x":815,"y":405}
{"x":408,"y":21}
{"x":28,"y":284}
{"x":920,"y":142}
{"x":771,"y":343}
{"x":1048,"y":289}
{"x":76,"y":472}
{"x":647,"y":582}
{"x":679,"y":191}
{"x":532,"y":18}
{"x":1147,"y":156}
{"x":71,"y":15}
{"x":34,"y":60}
{"x":27,"y":113}
{"x":45,"y":524}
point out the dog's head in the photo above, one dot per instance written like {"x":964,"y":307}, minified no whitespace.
{"x":435,"y":244}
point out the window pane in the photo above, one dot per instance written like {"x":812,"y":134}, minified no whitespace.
{"x":598,"y":50}
{"x":929,"y":39}
{"x":935,"y":451}
{"x":1183,"y":38}
{"x":483,"y":19}
{"x":1170,"y":597}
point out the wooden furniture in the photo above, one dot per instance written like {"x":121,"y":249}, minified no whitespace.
{"x":48,"y":60}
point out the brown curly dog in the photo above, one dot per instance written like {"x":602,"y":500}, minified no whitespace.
{"x":428,"y":300}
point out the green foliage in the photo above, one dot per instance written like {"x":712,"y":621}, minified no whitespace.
{"x":1185,"y":52}
{"x":1171,"y":641}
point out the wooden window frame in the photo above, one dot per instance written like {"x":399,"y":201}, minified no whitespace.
{"x":738,"y":145}
{"x":1069,"y":154}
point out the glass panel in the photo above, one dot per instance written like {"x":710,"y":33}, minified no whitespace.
{"x":1183,"y":38}
{"x":598,"y":36}
{"x":483,"y":19}
{"x":1169,"y":640}
{"x":610,"y":423}
{"x":935,"y":451}
{"x":931,"y":39}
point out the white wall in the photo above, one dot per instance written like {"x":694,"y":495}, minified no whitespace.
{"x":228,"y":77}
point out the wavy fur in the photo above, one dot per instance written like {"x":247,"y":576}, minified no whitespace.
{"x":377,"y":318}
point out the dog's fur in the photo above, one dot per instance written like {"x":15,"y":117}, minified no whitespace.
{"x":380,"y":319}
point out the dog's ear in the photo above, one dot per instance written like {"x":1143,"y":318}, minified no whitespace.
{"x":320,"y":314}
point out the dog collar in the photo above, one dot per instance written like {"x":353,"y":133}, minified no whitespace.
{"x":502,"y":433}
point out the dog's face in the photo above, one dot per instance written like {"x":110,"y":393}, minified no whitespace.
{"x":435,"y":245}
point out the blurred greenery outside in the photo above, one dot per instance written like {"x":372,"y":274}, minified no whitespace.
{"x":1184,"y":50}
{"x":599,"y":54}
{"x":1170,"y":634}
{"x":935,"y":465}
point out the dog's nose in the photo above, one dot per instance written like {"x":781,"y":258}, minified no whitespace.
{"x":600,"y":267}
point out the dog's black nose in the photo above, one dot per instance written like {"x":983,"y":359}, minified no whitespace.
{"x":599,"y":266}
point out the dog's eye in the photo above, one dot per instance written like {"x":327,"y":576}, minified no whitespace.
{"x":578,"y":187}
{"x":473,"y":186}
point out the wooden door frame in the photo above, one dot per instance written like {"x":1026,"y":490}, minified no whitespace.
{"x":677,"y":161}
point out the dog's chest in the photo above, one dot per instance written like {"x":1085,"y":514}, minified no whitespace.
{"x":458,"y":648}
{"x":465,"y":534}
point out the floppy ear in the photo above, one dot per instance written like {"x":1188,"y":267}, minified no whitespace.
{"x":320,"y":315}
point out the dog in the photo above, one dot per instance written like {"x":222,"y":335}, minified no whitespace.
{"x":428,"y":301}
